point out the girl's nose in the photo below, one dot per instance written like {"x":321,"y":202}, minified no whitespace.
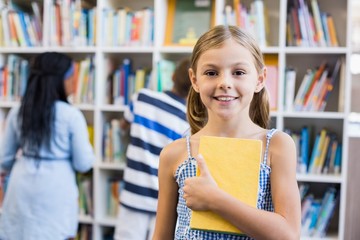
{"x":225,"y":82}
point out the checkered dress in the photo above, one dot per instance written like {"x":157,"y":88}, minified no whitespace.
{"x":188,"y":169}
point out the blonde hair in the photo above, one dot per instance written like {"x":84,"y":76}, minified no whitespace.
{"x":215,"y":38}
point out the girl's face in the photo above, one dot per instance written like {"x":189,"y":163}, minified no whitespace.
{"x":226,"y":79}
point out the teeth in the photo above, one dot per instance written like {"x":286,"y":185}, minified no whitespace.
{"x":225,"y":98}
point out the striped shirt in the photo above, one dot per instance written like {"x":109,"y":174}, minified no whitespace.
{"x":157,"y":119}
{"x":188,"y":169}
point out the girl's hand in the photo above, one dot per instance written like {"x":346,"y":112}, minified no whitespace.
{"x":198,"y":190}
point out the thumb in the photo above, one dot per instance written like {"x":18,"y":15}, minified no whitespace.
{"x":204,"y":171}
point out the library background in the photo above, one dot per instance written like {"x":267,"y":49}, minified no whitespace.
{"x":311,"y":48}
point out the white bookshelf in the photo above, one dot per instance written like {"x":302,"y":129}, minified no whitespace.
{"x":98,"y":112}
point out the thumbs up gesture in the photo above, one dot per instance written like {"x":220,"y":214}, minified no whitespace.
{"x":198,"y":190}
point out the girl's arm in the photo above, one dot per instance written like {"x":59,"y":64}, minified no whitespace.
{"x":10,"y":142}
{"x":83,"y":155}
{"x":168,"y":195}
{"x":284,"y":223}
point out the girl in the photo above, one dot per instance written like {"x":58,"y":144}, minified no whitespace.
{"x":45,"y":142}
{"x":228,"y":99}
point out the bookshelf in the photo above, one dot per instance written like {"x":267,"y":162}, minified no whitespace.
{"x":352,"y":197}
{"x":146,"y":53}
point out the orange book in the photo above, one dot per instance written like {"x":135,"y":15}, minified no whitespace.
{"x":58,"y":20}
{"x":14,"y":41}
{"x":170,"y":22}
{"x":5,"y":77}
{"x":235,"y":166}
{"x":237,"y":10}
{"x":313,"y":83}
{"x":332,"y":31}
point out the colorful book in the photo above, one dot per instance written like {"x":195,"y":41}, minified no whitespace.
{"x":238,"y":175}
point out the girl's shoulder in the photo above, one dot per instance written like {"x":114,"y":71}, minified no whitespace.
{"x":281,"y":139}
{"x":69,"y":115}
{"x":66,"y":109}
{"x":174,"y":153}
{"x":281,"y":148}
{"x":175,"y":148}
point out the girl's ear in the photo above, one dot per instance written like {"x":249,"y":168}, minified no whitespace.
{"x":192,"y":77}
{"x":261,"y":80}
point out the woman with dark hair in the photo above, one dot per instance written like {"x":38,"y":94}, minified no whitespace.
{"x":45,"y":143}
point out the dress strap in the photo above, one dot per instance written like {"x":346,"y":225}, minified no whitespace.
{"x":188,"y":146}
{"x":269,"y":135}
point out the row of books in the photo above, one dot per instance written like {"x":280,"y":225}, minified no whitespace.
{"x":84,"y":81}
{"x":315,"y":88}
{"x":316,"y":213}
{"x":307,"y":26}
{"x":124,"y":27}
{"x":123,"y":82}
{"x":85,"y":186}
{"x":14,"y":72}
{"x":325,"y":155}
{"x":71,"y":24}
{"x":20,"y":28}
{"x":252,"y":19}
{"x":115,"y":141}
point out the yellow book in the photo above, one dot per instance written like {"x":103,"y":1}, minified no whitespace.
{"x":235,"y":165}
{"x":90,"y":129}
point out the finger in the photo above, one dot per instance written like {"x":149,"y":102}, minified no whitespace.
{"x":204,"y":171}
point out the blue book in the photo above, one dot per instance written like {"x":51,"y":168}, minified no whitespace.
{"x":24,"y":29}
{"x":314,"y":152}
{"x":91,"y":27}
{"x":326,"y":211}
{"x":126,"y":70}
{"x":325,"y":168}
{"x":305,"y":139}
{"x":337,"y":164}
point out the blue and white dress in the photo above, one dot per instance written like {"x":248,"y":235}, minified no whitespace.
{"x":188,"y":169}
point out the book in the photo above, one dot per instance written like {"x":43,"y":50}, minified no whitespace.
{"x":181,"y":29}
{"x":272,"y":79}
{"x":304,"y":86}
{"x":319,"y":28}
{"x":240,"y":167}
{"x":305,"y":148}
{"x":332,"y":31}
{"x":290,"y":76}
{"x":316,"y":154}
{"x":165,"y":71}
{"x":314,"y":82}
{"x":331,"y":84}
{"x":342,"y":80}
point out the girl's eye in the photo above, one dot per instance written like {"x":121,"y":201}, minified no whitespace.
{"x":238,"y":73}
{"x":210,"y":73}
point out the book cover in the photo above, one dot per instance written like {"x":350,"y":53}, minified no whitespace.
{"x":290,"y":76}
{"x":238,"y":175}
{"x":181,"y":29}
{"x":165,"y":70}
{"x":272,"y":79}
